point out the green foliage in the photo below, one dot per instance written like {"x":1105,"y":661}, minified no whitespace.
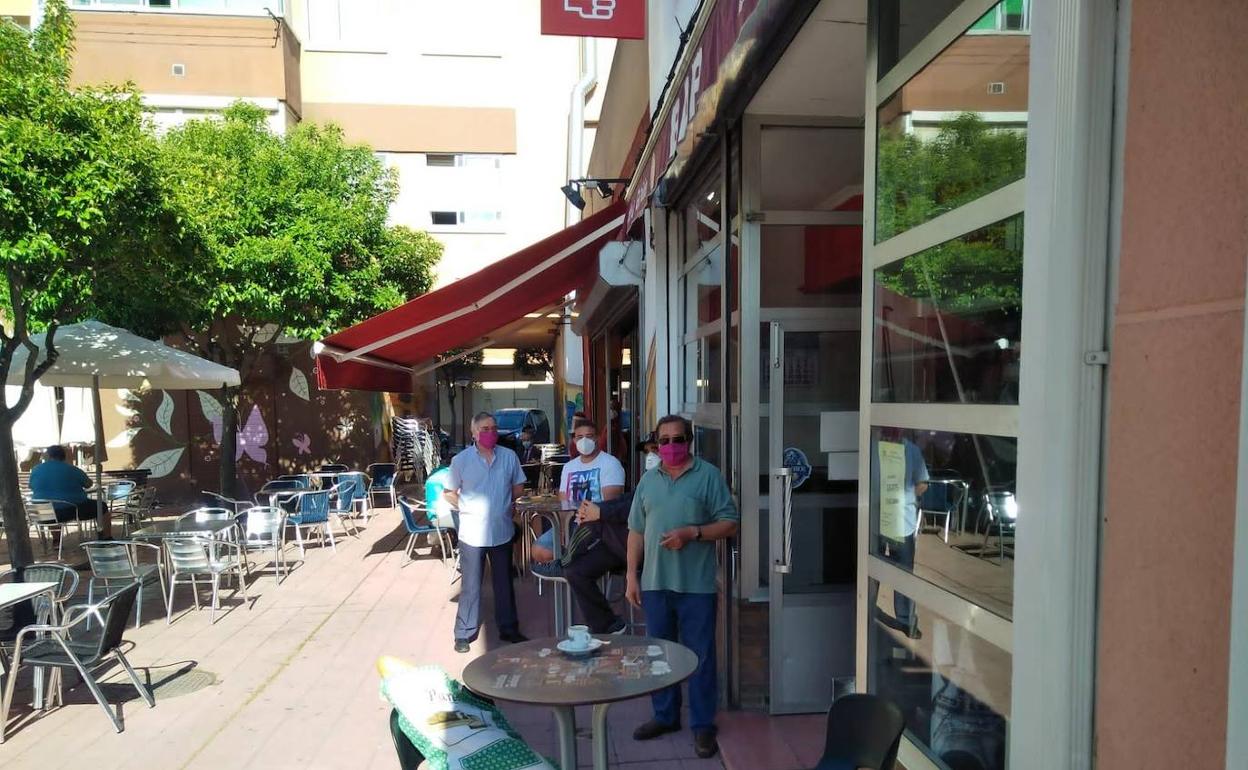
{"x":291,"y":229}
{"x":920,"y":179}
{"x":534,"y":362}
{"x":82,"y":222}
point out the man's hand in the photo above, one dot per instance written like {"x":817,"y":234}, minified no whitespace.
{"x":676,"y":539}
{"x":632,"y":591}
{"x":588,"y":512}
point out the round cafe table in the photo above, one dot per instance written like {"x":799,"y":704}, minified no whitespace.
{"x":536,"y":673}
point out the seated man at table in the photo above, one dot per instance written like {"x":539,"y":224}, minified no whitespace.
{"x":65,"y":484}
{"x":598,"y":547}
{"x":593,"y":475}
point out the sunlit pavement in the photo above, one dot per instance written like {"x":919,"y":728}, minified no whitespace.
{"x":287,"y":680}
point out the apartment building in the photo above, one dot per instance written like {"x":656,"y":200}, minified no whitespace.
{"x":467,"y":101}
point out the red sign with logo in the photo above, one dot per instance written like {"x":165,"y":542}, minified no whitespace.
{"x":624,"y":19}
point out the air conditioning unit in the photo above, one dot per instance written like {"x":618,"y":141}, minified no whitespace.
{"x":178,"y":70}
{"x":997,"y":88}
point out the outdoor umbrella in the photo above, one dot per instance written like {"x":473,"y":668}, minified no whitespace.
{"x":95,"y":355}
{"x":36,"y":428}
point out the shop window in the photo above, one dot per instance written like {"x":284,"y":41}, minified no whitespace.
{"x":956,"y":528}
{"x":948,"y":320}
{"x":903,"y":23}
{"x":953,"y":133}
{"x":952,"y":685}
{"x":808,"y":168}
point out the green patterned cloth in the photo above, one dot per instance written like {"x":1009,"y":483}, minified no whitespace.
{"x":489,"y":743}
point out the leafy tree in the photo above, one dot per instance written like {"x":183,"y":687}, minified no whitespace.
{"x":919,"y":179}
{"x":290,"y":237}
{"x":534,"y":362}
{"x":83,"y":231}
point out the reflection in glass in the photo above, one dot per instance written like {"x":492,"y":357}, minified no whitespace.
{"x":811,"y":265}
{"x":947,"y":321}
{"x":902,"y":24}
{"x":942,"y":507}
{"x":952,"y":686}
{"x":954,"y":132}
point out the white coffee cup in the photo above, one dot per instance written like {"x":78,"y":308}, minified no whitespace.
{"x":579,"y":636}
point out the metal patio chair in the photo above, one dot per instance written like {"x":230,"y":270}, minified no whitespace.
{"x":383,"y":476}
{"x":311,"y":514}
{"x":264,"y":529}
{"x":280,"y":492}
{"x":51,"y":645}
{"x":351,"y":494}
{"x":221,"y":501}
{"x":136,"y":509}
{"x":116,"y":562}
{"x":413,"y":511}
{"x":332,"y":468}
{"x":1001,"y":511}
{"x":42,"y":516}
{"x":193,"y":558}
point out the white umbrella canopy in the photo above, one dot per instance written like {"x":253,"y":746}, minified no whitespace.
{"x":120,"y":359}
{"x":95,"y":355}
{"x":78,"y":422}
{"x":36,"y":428}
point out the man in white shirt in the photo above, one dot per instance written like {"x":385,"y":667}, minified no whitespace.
{"x":594,"y":476}
{"x":484,"y":481}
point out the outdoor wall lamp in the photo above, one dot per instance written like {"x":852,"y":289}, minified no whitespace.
{"x":573,"y":189}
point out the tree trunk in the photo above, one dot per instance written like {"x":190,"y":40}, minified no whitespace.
{"x":16,"y":528}
{"x":229,"y":442}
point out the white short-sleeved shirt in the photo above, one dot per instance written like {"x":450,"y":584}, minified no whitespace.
{"x":485,"y":495}
{"x":585,"y":481}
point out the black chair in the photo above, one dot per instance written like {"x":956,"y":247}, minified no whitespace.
{"x":409,"y":756}
{"x":863,"y":731}
{"x":56,"y":649}
{"x":333,"y":468}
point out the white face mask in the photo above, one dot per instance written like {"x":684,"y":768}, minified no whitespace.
{"x":652,"y":461}
{"x":586,"y":445}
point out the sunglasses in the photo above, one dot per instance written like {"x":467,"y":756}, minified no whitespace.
{"x":664,"y":440}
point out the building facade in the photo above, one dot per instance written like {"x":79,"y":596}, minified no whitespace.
{"x":939,"y":283}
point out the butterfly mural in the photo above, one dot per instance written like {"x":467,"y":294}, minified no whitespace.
{"x":303,"y":443}
{"x":252,"y":437}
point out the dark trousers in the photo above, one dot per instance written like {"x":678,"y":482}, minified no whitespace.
{"x":87,"y":510}
{"x":472,"y":568}
{"x":690,"y":620}
{"x":607,"y":554}
{"x":901,"y":552}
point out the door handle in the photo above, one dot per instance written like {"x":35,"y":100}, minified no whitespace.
{"x":784,"y":477}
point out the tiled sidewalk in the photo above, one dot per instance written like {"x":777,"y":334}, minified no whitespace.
{"x":288,"y":681}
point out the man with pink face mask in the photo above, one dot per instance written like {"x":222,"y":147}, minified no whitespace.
{"x":679,"y":510}
{"x":484,"y":482}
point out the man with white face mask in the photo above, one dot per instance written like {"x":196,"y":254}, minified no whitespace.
{"x":593,"y":475}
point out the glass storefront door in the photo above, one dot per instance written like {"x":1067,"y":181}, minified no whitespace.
{"x":812,"y":423}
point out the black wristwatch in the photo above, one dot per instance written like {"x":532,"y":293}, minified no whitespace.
{"x":697,"y":532}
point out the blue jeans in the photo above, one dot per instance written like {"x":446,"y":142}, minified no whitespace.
{"x":690,"y":620}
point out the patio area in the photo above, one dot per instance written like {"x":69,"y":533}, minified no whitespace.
{"x":288,"y":680}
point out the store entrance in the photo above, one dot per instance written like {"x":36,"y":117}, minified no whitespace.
{"x":812,"y":424}
{"x":804,"y":232}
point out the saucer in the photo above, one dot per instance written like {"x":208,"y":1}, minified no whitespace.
{"x":567,"y":648}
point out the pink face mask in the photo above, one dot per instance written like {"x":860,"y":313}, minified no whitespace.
{"x":674,"y":455}
{"x":487,"y":439}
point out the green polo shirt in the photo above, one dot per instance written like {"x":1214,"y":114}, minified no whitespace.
{"x":661,"y":504}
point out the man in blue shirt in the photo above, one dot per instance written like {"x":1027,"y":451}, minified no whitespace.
{"x":484,"y":482}
{"x":679,"y":510}
{"x":65,"y":484}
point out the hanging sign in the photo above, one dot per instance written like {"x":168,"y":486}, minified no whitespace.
{"x":622,"y":19}
{"x":892,"y":491}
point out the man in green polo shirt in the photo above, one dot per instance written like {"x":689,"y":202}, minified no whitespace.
{"x":679,"y":510}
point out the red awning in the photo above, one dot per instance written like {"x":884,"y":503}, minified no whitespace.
{"x":380,"y":353}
